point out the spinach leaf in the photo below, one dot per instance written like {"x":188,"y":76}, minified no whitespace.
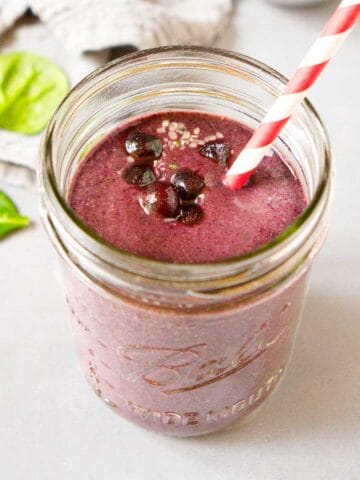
{"x":9,"y":217}
{"x":31,"y":88}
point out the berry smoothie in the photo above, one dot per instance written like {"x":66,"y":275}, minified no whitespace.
{"x":154,"y":187}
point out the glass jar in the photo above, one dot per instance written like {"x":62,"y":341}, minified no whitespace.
{"x":184,"y":349}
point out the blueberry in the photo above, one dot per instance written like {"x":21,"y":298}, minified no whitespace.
{"x":188,"y":183}
{"x":191,"y":214}
{"x":143,"y":145}
{"x":217,"y":151}
{"x":161,"y":199}
{"x":139,"y":175}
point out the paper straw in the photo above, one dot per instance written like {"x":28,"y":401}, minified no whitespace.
{"x":323,"y":49}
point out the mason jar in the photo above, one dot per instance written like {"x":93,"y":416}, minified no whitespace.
{"x":183,"y":349}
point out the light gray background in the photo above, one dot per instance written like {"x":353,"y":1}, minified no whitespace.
{"x":52,"y":427}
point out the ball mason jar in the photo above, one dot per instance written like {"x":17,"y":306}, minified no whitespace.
{"x":183,"y":349}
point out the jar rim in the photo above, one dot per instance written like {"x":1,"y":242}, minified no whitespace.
{"x":207,"y":269}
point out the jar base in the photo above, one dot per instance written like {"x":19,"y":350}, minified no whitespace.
{"x":195,"y":430}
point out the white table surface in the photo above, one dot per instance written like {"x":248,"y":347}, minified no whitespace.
{"x":52,"y":427}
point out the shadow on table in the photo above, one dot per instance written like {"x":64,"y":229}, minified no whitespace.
{"x":327,"y":6}
{"x":321,"y":384}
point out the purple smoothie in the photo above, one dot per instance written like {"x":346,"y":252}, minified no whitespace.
{"x":233,"y":223}
{"x":177,"y":370}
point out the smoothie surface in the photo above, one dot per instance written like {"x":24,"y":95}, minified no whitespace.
{"x":232,"y":223}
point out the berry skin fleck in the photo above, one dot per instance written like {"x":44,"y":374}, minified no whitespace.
{"x":139,"y":175}
{"x":191,"y":214}
{"x":160,"y":199}
{"x":143,"y":145}
{"x":188,"y":183}
{"x":217,"y":150}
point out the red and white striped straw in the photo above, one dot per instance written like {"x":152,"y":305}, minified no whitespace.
{"x":324,"y":48}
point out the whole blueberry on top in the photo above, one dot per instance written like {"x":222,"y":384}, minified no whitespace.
{"x":188,"y":183}
{"x":161,"y":199}
{"x":139,"y":175}
{"x":191,"y":214}
{"x":143,"y":145}
{"x":217,"y":150}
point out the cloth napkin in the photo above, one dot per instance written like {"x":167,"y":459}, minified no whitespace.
{"x":79,"y":36}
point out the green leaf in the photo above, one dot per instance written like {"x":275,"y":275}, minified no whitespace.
{"x":10,"y":219}
{"x":31,"y":87}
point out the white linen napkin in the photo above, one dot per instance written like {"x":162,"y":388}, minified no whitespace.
{"x":77,"y":36}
